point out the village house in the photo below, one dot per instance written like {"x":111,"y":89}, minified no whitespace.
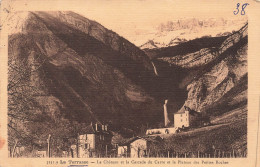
{"x":185,"y":118}
{"x":137,"y":147}
{"x":190,"y":118}
{"x":94,"y":142}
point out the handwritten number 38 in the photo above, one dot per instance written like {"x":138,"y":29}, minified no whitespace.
{"x":243,"y":9}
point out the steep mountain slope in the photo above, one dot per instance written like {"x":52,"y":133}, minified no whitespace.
{"x":87,"y":73}
{"x":186,"y":47}
{"x":215,"y":76}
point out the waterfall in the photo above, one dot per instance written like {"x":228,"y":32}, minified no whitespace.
{"x":155,"y":70}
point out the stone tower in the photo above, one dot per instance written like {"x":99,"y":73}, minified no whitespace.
{"x":166,"y":119}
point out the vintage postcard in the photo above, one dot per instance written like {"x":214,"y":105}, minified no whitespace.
{"x":101,"y":83}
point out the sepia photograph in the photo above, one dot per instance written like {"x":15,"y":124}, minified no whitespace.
{"x":131,"y":83}
{"x":173,"y":88}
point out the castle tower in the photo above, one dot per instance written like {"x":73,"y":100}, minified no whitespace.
{"x":166,"y":119}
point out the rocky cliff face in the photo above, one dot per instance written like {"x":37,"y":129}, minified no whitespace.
{"x":173,"y":33}
{"x":212,"y":74}
{"x":86,"y":72}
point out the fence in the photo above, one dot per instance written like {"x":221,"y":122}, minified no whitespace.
{"x":215,"y":154}
{"x":172,"y":154}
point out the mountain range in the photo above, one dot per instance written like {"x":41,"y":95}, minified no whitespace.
{"x":173,"y":33}
{"x":90,"y":74}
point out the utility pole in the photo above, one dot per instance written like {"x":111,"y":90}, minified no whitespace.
{"x":77,"y":146}
{"x":49,"y":149}
{"x":106,"y":150}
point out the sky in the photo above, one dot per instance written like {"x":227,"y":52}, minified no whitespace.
{"x":130,"y":17}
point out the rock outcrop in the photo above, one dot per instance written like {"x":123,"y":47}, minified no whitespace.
{"x":211,"y":73}
{"x":173,"y":33}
